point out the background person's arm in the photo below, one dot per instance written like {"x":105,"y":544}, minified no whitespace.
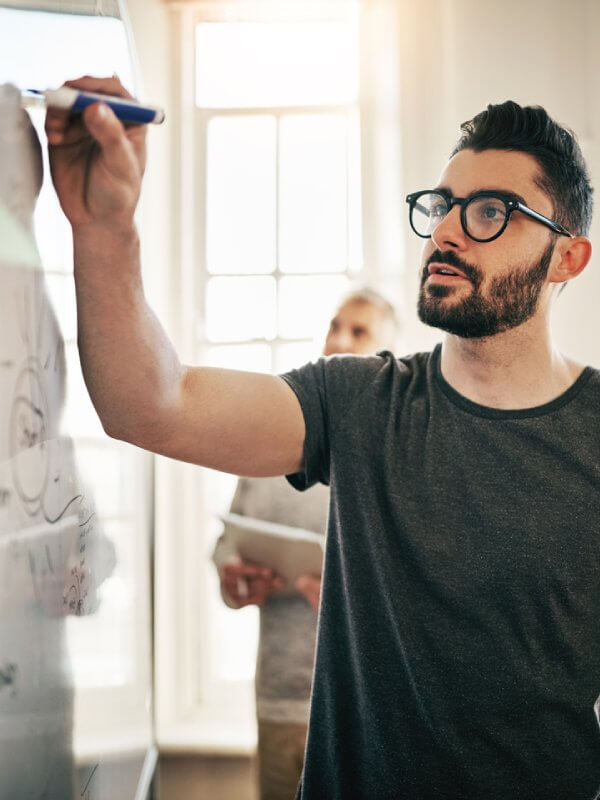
{"x":238,"y":422}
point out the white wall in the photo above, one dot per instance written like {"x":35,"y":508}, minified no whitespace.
{"x":458,"y":56}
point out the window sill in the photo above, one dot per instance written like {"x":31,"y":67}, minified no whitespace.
{"x":214,"y":737}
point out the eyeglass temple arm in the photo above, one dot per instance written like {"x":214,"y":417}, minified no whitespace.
{"x":544,"y":220}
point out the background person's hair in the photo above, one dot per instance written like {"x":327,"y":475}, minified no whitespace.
{"x":369,"y":296}
{"x":529,"y":129}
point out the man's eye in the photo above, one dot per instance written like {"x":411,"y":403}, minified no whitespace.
{"x":437,"y":211}
{"x":491,"y":212}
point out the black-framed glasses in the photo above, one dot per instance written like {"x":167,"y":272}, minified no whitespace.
{"x":483,"y":215}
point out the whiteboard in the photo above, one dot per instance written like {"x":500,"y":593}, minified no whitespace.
{"x":75,"y":506}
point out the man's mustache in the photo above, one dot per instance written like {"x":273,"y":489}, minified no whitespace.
{"x":449,"y":257}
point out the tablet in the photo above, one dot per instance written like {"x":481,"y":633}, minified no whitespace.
{"x":288,"y":551}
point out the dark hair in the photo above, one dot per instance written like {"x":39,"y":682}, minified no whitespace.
{"x":530,"y":129}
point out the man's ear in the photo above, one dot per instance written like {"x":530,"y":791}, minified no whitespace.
{"x":573,"y":256}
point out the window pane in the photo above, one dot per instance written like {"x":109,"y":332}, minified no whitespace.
{"x":233,"y":633}
{"x":355,"y":245}
{"x":307,"y":303}
{"x":315,"y":62}
{"x":235,"y":642}
{"x":253,"y":357}
{"x":240,"y":191}
{"x":313,"y":193}
{"x":240,"y":308}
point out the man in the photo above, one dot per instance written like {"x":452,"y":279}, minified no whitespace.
{"x":458,"y":651}
{"x":363,"y":323}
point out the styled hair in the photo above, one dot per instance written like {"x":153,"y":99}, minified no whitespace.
{"x":530,"y":129}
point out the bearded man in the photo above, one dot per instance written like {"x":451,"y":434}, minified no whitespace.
{"x":458,"y":650}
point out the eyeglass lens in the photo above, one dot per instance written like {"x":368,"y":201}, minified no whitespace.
{"x":484,"y":216}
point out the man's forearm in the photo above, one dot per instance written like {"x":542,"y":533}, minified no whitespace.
{"x":130,"y":368}
{"x":239,"y":422}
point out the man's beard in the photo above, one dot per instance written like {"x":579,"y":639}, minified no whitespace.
{"x":512,"y":298}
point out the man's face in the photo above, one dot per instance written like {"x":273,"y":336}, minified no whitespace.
{"x":358,"y":327}
{"x":501,"y":280}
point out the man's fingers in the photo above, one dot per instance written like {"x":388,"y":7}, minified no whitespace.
{"x":109,"y":133}
{"x":104,"y":126}
{"x":59,"y":121}
{"x":88,"y":83}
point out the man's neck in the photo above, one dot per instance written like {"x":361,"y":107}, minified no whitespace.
{"x":519,"y":368}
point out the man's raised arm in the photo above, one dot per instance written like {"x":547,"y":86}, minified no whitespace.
{"x":239,"y":422}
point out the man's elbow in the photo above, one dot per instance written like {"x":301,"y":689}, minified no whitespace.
{"x":133,"y":427}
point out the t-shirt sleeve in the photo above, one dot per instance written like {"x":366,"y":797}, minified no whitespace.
{"x":308,"y":384}
{"x":327,"y":390}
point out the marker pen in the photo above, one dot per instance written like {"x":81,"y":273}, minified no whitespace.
{"x":75,"y":100}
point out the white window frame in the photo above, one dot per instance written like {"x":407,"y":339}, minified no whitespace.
{"x":194,"y":714}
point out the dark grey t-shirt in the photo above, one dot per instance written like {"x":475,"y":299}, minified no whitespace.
{"x":458,"y":652}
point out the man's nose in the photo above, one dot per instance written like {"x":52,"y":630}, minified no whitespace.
{"x":449,"y":232}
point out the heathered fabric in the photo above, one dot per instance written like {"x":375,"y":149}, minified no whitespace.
{"x":458,"y":653}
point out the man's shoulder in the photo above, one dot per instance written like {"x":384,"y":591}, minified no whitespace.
{"x":346,"y":385}
{"x":388,"y":369}
{"x":350,"y":372}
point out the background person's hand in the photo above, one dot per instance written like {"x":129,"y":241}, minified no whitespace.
{"x":310,"y":587}
{"x":246,"y":584}
{"x":96,"y":163}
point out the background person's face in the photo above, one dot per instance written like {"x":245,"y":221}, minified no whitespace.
{"x":359,"y":328}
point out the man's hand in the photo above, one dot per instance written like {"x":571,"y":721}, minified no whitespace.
{"x":310,"y":587}
{"x":247,"y":584}
{"x":96,"y":163}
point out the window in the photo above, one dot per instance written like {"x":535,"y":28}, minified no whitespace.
{"x":278,"y":227}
